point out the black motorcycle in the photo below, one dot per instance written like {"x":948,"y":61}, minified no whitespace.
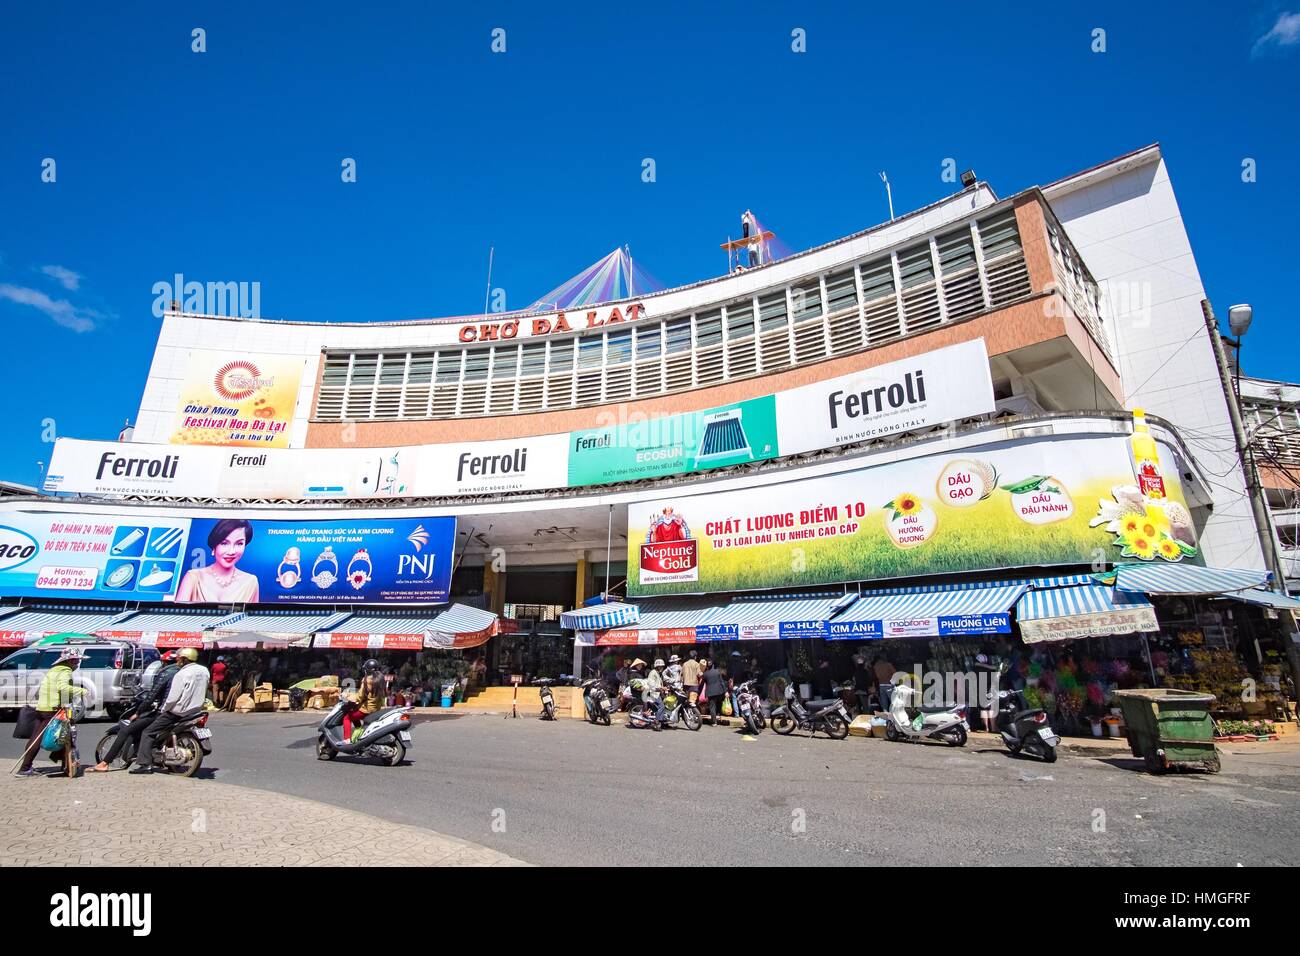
{"x":548,"y":698}
{"x":181,"y":750}
{"x":1023,"y":729}
{"x":828,"y":716}
{"x":749,"y":704}
{"x":596,"y":700}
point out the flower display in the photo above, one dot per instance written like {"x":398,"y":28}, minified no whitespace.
{"x":1146,"y":529}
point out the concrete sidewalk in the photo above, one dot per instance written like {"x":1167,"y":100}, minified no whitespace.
{"x":121,"y":819}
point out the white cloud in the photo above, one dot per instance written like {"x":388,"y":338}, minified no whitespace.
{"x":65,"y":277}
{"x":61,"y":311}
{"x":1286,"y":32}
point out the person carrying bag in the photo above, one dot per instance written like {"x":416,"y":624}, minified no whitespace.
{"x":56,"y":691}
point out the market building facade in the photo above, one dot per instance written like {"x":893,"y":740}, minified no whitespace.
{"x":920,"y":437}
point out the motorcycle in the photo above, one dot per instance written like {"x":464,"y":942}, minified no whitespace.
{"x":597,"y":701}
{"x":947,"y":724}
{"x":749,"y":704}
{"x":548,"y":698}
{"x":677,"y":709}
{"x":386,"y":735}
{"x":1022,"y":728}
{"x":830,"y":716}
{"x":180,"y":751}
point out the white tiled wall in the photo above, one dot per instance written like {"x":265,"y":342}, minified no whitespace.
{"x":1129,"y":231}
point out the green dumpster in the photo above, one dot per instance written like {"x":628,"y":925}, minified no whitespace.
{"x":1170,"y":728}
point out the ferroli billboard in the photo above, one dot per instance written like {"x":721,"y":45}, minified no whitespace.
{"x":912,"y":394}
{"x":133,"y":555}
{"x":1028,"y":503}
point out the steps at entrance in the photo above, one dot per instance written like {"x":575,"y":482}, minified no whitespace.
{"x":568,"y":700}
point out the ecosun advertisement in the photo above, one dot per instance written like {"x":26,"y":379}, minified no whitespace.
{"x":226,"y":560}
{"x":1004,"y":505}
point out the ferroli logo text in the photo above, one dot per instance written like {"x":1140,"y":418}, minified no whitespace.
{"x":121,"y":466}
{"x":77,"y":909}
{"x":873,"y":401}
{"x":484,"y":466}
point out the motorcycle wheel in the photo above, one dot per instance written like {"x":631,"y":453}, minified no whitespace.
{"x":399,"y":754}
{"x":956,"y":737}
{"x":691,"y":718}
{"x":783,"y":724}
{"x":548,"y":712}
{"x":604,"y":717}
{"x":1049,"y":754}
{"x":891,"y":732}
{"x":193,"y":756}
{"x":105,"y":742}
{"x":836,"y":726}
{"x":760,"y":720}
{"x":636,"y":715}
{"x":752,"y":723}
{"x":323,"y":749}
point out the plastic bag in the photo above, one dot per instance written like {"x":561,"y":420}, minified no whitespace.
{"x":56,"y":735}
{"x":726,"y":707}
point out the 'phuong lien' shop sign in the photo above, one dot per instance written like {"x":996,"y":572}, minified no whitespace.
{"x":1027,"y":503}
{"x":133,"y":555}
{"x":930,"y":389}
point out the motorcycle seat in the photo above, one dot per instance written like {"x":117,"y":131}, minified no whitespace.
{"x":1022,"y":714}
{"x":822,"y":703}
{"x":192,"y":714}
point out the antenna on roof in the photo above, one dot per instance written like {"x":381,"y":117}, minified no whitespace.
{"x":889,"y":194}
{"x":487,"y":294}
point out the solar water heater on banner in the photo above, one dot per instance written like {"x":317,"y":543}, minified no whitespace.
{"x":724,"y":437}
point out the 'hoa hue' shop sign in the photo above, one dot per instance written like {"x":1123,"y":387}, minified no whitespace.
{"x":560,"y":322}
{"x":897,"y":520}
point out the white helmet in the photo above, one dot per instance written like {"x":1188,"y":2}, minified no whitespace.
{"x":674,"y":659}
{"x":659,"y":662}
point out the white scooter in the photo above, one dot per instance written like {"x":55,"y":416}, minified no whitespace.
{"x":948,"y":725}
{"x":386,"y":735}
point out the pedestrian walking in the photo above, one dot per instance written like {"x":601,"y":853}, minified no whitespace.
{"x":56,"y":692}
{"x":715,"y":690}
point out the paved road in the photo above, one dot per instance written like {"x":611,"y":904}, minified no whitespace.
{"x":568,"y":792}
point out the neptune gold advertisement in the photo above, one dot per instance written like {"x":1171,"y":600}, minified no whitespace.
{"x":1068,"y":501}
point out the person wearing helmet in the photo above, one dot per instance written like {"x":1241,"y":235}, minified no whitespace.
{"x":146,"y":709}
{"x":56,"y":691}
{"x":187,"y":692}
{"x":673,"y":672}
{"x":369,"y":699}
{"x":653,"y":695}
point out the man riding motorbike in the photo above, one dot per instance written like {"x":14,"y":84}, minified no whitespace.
{"x":369,"y":699}
{"x":654,"y":690}
{"x":154,"y":695}
{"x":188,"y":690}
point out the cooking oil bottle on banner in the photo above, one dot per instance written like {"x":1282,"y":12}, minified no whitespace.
{"x":1146,"y":457}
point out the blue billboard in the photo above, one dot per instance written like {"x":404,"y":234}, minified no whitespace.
{"x":130,"y":555}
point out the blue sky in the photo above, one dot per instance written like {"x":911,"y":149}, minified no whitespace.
{"x":225,"y":165}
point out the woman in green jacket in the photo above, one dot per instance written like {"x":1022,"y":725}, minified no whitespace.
{"x":56,"y":691}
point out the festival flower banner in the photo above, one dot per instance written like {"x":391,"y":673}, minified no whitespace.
{"x":230,"y":398}
{"x":1006,"y":505}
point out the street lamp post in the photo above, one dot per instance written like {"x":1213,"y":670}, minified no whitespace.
{"x":1239,"y":318}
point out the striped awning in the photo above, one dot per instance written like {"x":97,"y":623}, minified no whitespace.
{"x":1259,"y":596}
{"x":28,"y":626}
{"x":288,"y":629}
{"x":935,"y":611}
{"x":1088,"y":610}
{"x":461,"y":626}
{"x":167,"y":628}
{"x":599,"y":616}
{"x":1185,"y":579}
{"x":659,"y":613}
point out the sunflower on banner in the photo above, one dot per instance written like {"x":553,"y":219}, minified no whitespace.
{"x":1146,"y":528}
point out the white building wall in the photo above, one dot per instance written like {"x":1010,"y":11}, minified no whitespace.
{"x":1124,"y":220}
